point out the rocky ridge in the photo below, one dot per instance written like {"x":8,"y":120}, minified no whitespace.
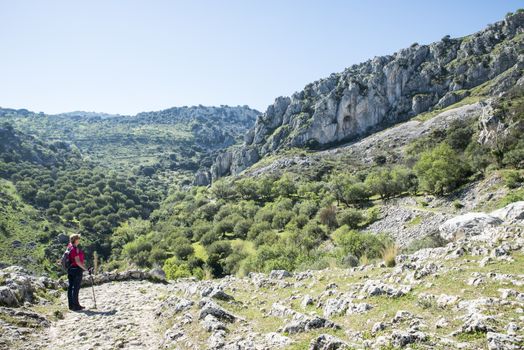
{"x":383,"y":91}
{"x":468,"y":294}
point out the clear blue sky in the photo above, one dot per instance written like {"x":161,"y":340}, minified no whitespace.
{"x":127,"y":56}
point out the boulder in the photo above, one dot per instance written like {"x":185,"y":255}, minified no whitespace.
{"x":157,"y":274}
{"x":327,"y":342}
{"x":402,"y":338}
{"x":8,"y":297}
{"x":209,"y":307}
{"x":211,"y":324}
{"x":500,"y":341}
{"x":511,"y":213}
{"x":301,"y":324}
{"x":279,"y":274}
{"x":467,"y":225}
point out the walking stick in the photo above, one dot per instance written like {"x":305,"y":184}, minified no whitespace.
{"x":91,"y":271}
{"x":93,"y":288}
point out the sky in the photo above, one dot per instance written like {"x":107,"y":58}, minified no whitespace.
{"x":128,"y":56}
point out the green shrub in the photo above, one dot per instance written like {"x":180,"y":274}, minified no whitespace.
{"x":183,"y":249}
{"x":217,"y":254}
{"x":350,"y":217}
{"x":512,"y":178}
{"x":175,"y":269}
{"x":457,"y":204}
{"x":308,"y":208}
{"x":440,"y":170}
{"x":281,"y":218}
{"x":430,"y":241}
{"x":257,"y":228}
{"x":360,"y":244}
{"x":242,"y":228}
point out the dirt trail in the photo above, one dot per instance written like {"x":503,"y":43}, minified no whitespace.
{"x":124,"y":318}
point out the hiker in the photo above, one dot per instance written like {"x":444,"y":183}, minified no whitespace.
{"x":74,"y":272}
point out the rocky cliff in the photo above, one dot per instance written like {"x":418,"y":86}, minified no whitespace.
{"x":383,"y":91}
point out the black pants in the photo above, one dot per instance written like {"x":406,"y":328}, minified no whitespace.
{"x":74,"y":274}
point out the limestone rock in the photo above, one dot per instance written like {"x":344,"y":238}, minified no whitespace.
{"x":209,"y":307}
{"x":512,"y":213}
{"x":500,"y":341}
{"x":327,"y":342}
{"x":467,"y":225}
{"x":379,"y":92}
{"x":402,"y":338}
{"x":279,"y":274}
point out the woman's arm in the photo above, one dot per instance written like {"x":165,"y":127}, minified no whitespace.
{"x":79,"y":263}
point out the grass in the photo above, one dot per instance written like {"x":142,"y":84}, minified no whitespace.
{"x":389,"y":254}
{"x":514,"y":196}
{"x":415,"y":221}
{"x":465,"y":101}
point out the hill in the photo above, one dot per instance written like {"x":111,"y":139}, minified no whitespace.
{"x":179,"y":139}
{"x":384,"y":91}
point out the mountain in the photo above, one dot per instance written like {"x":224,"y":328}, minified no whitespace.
{"x":384,"y":91}
{"x":177,"y":139}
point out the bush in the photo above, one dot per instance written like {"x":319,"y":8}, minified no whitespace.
{"x":430,"y":241}
{"x":360,"y":244}
{"x":281,"y":219}
{"x":308,"y":208}
{"x":350,"y":217}
{"x":210,"y":237}
{"x":440,"y":170}
{"x":309,"y":237}
{"x":328,"y":216}
{"x":242,"y":228}
{"x":284,"y":187}
{"x":512,"y":178}
{"x":217,"y":254}
{"x":175,"y":269}
{"x":183,"y":249}
{"x":349,"y":260}
{"x":257,"y":228}
{"x":138,"y":251}
{"x":372,"y":215}
{"x":273,"y":257}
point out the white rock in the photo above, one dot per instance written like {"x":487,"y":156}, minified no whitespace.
{"x":467,"y":225}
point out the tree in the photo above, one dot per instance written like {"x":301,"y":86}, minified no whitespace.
{"x":440,"y":170}
{"x":222,"y":189}
{"x":350,"y":217}
{"x":348,"y":189}
{"x":217,"y":254}
{"x":284,"y":187}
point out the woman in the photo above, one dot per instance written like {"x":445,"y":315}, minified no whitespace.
{"x":75,"y":271}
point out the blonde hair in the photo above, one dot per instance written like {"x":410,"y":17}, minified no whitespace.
{"x":74,"y":237}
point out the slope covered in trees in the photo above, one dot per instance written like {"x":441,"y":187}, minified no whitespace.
{"x":308,"y":217}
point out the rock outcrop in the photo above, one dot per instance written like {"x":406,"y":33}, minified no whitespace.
{"x":383,"y":91}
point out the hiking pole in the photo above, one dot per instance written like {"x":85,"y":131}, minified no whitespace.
{"x":92,"y":285}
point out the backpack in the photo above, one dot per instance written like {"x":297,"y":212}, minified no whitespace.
{"x":65,"y":262}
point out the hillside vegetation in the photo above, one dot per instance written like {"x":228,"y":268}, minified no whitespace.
{"x":315,"y":217}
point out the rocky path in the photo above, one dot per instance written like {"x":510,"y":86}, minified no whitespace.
{"x":124,"y":318}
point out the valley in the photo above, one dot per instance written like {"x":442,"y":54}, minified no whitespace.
{"x":380,"y":207}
